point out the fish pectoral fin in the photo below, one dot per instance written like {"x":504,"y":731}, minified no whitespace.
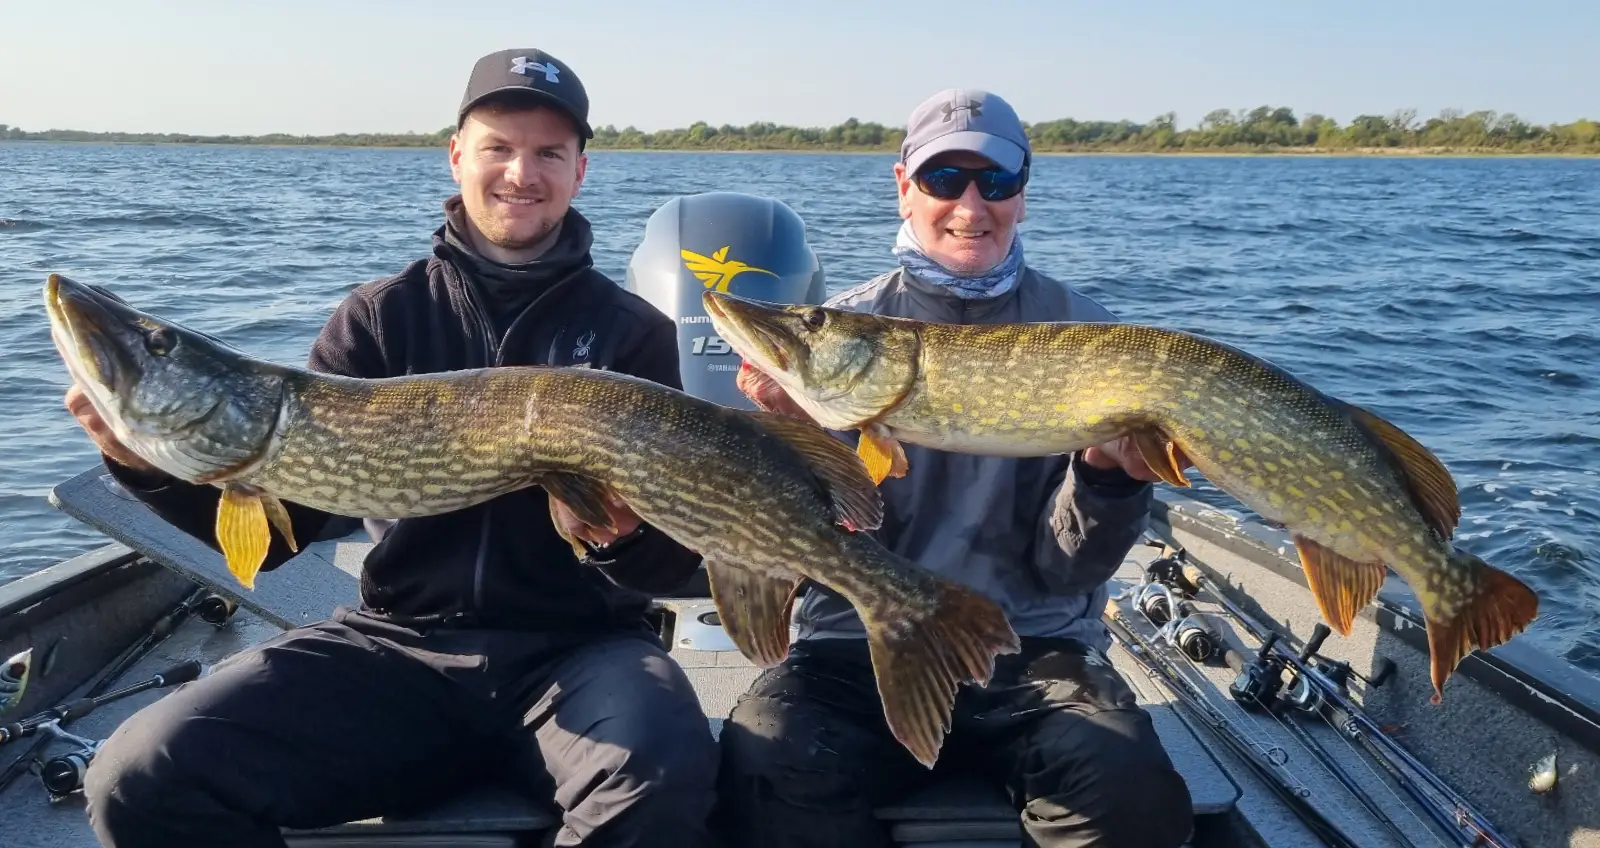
{"x":881,"y":453}
{"x":1502,"y":607}
{"x":857,"y":504}
{"x":1341,"y":586}
{"x":242,"y":532}
{"x":921,"y":657}
{"x":279,"y":517}
{"x":1162,"y":455}
{"x":754,"y":611}
{"x":579,"y":550}
{"x":584,"y":496}
{"x":1426,"y":477}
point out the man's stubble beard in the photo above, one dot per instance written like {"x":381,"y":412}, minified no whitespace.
{"x":501,"y":237}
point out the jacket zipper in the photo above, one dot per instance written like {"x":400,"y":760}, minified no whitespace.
{"x":493,"y":353}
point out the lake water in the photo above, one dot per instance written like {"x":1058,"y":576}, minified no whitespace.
{"x":1457,"y":297}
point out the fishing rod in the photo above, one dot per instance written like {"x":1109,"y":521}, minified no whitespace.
{"x":159,"y":632}
{"x":64,"y":773}
{"x":1159,"y":668}
{"x":1256,"y":685}
{"x":1251,"y":682}
{"x":1461,"y":818}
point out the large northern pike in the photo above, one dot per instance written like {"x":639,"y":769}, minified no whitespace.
{"x":766,"y":500}
{"x":1355,"y":492}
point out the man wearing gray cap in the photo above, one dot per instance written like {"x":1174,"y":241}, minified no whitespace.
{"x":483,"y":648}
{"x":807,"y":756}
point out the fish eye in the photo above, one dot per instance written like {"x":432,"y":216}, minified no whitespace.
{"x":815,"y":318}
{"x":158,"y":342}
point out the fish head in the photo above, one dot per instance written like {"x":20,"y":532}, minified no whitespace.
{"x":180,"y":399}
{"x":844,"y":368}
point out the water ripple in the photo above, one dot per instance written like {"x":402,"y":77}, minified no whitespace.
{"x":1457,"y":297}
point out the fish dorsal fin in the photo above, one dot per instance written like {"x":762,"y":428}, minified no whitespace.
{"x":856,"y":502}
{"x":1427,"y":478}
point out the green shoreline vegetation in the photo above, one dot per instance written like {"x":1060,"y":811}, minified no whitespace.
{"x":1264,"y":130}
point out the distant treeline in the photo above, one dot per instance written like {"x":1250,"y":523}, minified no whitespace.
{"x":1265,"y":129}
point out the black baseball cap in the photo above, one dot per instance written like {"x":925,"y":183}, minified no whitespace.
{"x":528,"y":72}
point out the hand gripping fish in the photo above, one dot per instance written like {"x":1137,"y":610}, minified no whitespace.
{"x":766,"y":500}
{"x":1356,"y":493}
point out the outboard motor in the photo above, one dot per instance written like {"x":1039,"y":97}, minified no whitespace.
{"x":743,"y":244}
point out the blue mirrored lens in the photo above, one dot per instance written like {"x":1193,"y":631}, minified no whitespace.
{"x":949,"y":183}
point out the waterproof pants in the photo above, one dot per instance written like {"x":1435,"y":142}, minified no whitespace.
{"x":807,"y":755}
{"x":352,"y":718}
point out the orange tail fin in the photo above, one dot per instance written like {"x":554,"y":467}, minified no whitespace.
{"x":921,"y":657}
{"x":1503,"y":607}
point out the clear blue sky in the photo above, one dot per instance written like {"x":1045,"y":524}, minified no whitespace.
{"x":368,"y":66}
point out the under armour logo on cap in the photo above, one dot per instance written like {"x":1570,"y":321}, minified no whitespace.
{"x":521,"y":65}
{"x":953,"y":106}
{"x":966,"y":120}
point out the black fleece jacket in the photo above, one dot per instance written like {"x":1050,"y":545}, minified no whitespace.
{"x":500,"y":564}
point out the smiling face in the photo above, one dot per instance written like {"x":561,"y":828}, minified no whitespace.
{"x":968,"y":235}
{"x":519,"y":169}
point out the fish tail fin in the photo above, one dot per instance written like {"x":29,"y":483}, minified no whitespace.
{"x":1502,"y":607}
{"x":921,"y":657}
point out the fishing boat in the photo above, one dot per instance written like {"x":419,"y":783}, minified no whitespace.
{"x":1286,"y":735}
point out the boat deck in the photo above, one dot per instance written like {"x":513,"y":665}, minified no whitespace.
{"x":1478,"y":743}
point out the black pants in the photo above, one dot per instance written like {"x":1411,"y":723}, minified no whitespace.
{"x":352,"y":718}
{"x":807,"y":755}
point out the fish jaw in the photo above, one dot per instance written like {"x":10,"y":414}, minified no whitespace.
{"x":845,"y":369}
{"x":182,"y":401}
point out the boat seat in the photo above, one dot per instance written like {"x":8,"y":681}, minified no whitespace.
{"x":486,"y":817}
{"x":953,"y":810}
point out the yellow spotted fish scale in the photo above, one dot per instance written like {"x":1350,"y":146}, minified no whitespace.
{"x":1357,"y":494}
{"x":767,"y":501}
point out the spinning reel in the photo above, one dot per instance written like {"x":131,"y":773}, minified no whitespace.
{"x":1259,"y":685}
{"x":1164,"y":600}
{"x":63,"y":774}
{"x":1187,"y":630}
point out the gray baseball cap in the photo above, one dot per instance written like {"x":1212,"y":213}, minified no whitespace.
{"x":965,"y":119}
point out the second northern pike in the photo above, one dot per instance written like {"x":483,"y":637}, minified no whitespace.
{"x":766,"y":500}
{"x":1356,"y":493}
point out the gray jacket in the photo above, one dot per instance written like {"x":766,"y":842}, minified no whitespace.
{"x":1033,"y":534}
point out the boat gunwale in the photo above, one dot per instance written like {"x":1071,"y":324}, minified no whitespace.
{"x":1545,"y":687}
{"x":37,"y":587}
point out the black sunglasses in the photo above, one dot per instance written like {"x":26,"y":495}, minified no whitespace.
{"x":950,"y":182}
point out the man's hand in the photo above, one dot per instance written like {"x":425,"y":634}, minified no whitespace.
{"x":624,"y":518}
{"x":765,"y":393}
{"x":99,"y":433}
{"x":1124,"y":454}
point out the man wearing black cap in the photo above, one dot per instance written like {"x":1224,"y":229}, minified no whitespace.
{"x":483,"y":648}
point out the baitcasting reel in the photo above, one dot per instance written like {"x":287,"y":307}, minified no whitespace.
{"x":1257,"y":682}
{"x":1303,"y":694}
